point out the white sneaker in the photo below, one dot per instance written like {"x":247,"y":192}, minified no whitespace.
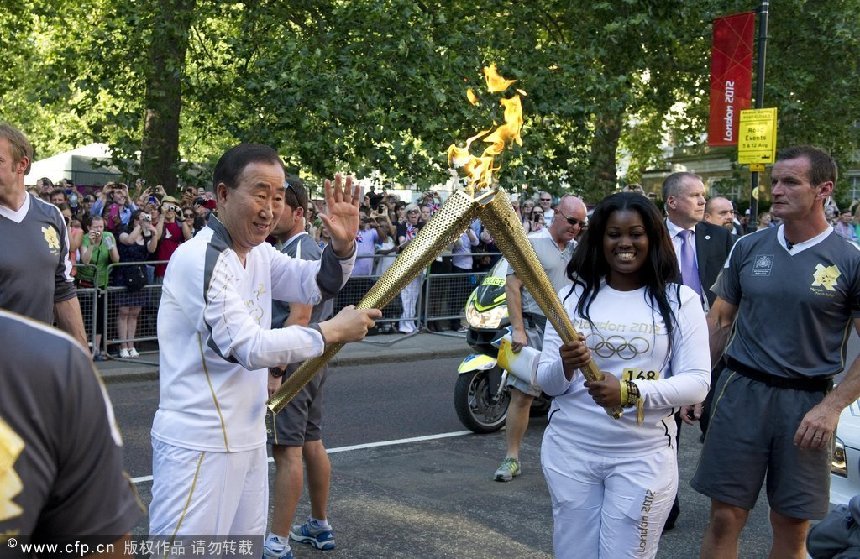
{"x":272,"y":549}
{"x":124,"y":354}
{"x":133,"y":353}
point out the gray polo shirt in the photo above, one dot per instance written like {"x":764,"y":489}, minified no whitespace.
{"x":35,"y":271}
{"x":795,"y":307}
{"x":554,"y":263}
{"x":301,"y":246}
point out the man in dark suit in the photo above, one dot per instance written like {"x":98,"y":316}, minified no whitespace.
{"x":702,"y":249}
{"x":684,"y":195}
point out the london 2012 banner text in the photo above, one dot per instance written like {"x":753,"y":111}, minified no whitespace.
{"x":731,"y":76}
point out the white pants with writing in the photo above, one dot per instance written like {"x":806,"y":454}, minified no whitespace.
{"x":608,"y":507}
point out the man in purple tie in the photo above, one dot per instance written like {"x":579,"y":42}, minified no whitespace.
{"x":702,"y":249}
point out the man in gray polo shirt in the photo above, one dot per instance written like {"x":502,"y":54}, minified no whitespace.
{"x":35,"y":270}
{"x":774,"y":414}
{"x":554,"y":247}
{"x":295,"y":432}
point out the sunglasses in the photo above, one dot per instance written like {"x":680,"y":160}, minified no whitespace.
{"x":572,"y":221}
{"x":189,"y":216}
{"x":546,"y":199}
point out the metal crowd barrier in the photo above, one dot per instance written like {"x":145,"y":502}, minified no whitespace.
{"x":109,"y":303}
{"x":442,"y":298}
{"x":120,"y":304}
{"x":89,"y":301}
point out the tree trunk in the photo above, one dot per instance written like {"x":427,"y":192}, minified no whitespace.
{"x":604,"y":147}
{"x":159,"y":151}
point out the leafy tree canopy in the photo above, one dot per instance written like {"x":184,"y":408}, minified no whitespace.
{"x":359,"y":85}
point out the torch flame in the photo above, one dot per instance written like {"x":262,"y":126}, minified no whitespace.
{"x":480,"y":169}
{"x":473,"y":99}
{"x":495,"y":82}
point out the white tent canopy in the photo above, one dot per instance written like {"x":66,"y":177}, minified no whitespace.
{"x":85,"y":165}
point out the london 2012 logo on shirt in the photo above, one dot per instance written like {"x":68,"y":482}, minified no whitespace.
{"x":52,"y":239}
{"x":11,"y":446}
{"x":763,"y":265}
{"x":825,"y":276}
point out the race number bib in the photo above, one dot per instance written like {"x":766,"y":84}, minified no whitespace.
{"x":639,"y":374}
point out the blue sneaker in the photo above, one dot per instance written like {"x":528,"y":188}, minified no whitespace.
{"x":311,"y":533}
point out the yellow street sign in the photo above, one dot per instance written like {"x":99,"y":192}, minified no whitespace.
{"x":757,"y":136}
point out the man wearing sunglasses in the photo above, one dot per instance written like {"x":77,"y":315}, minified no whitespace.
{"x":554,"y":246}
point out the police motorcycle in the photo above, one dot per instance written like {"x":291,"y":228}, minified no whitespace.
{"x":481,"y":395}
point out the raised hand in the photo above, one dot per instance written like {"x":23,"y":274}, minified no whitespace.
{"x":341,"y":218}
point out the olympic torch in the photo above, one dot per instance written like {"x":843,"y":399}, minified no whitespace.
{"x":510,"y":236}
{"x":445,"y":226}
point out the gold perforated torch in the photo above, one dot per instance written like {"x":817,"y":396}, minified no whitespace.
{"x":447,"y":224}
{"x":499,"y":217}
{"x":510,"y":236}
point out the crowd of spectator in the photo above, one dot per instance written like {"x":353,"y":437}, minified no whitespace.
{"x":117,"y":224}
{"x":121,"y":225}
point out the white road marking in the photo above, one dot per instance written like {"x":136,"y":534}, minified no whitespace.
{"x":377,"y":444}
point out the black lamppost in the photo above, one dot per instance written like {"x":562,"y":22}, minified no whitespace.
{"x":759,"y":101}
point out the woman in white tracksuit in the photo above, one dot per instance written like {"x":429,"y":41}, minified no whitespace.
{"x":612,"y":482}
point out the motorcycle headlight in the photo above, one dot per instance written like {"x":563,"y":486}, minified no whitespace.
{"x":490,"y":318}
{"x":839,"y":463}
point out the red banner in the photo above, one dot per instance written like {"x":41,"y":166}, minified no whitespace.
{"x":731,"y":76}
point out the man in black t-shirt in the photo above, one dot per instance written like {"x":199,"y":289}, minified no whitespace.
{"x":776,"y":411}
{"x":61,"y":473}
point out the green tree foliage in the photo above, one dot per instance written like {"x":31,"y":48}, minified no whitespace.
{"x":812,"y":74}
{"x":380,"y":84}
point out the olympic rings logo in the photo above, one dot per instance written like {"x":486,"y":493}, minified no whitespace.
{"x":617,"y":345}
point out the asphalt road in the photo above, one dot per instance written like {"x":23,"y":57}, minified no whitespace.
{"x":427,"y":498}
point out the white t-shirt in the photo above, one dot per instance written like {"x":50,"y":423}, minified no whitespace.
{"x":216,"y":341}
{"x":628,"y":335}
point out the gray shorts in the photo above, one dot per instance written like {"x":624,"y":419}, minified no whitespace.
{"x":301,"y":419}
{"x":534,"y":333}
{"x":750,"y":436}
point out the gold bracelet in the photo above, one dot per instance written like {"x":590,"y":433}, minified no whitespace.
{"x":632,"y":393}
{"x":623,"y":386}
{"x":635,"y":398}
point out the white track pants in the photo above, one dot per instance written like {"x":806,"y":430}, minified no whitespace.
{"x":608,"y":507}
{"x":208,"y":493}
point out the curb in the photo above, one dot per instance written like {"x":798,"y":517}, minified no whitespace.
{"x":146,"y":373}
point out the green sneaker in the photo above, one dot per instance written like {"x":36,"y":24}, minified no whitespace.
{"x":509,"y":469}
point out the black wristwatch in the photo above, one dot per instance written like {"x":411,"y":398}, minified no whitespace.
{"x":277,"y":372}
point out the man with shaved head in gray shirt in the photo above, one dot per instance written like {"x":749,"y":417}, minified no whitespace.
{"x":776,"y":410}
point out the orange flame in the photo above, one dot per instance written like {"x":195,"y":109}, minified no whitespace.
{"x":473,"y":99}
{"x":495,"y":82}
{"x":480,"y":169}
